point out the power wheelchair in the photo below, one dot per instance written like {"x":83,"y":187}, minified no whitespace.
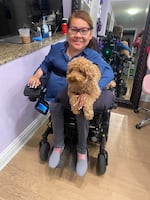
{"x":109,"y":49}
{"x":98,"y":131}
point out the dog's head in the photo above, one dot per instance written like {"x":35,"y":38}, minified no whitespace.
{"x":81,"y":70}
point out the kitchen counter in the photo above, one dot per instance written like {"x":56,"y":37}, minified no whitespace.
{"x":9,"y":51}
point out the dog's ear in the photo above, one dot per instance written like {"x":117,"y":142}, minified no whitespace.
{"x":97,"y":72}
{"x":93,"y":72}
{"x":69,"y":67}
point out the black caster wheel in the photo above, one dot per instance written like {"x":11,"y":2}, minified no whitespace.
{"x":101,"y":164}
{"x":44,"y":151}
{"x":124,"y":90}
{"x":138,"y":126}
{"x":136,"y":111}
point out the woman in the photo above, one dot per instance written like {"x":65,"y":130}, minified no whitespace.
{"x":79,"y":41}
{"x":123,"y":45}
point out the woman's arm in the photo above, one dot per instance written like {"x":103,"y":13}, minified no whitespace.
{"x":124,"y":47}
{"x":106,"y":70}
{"x":107,"y":73}
{"x":106,"y":78}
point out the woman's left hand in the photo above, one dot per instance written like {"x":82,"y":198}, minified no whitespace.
{"x":81,"y":100}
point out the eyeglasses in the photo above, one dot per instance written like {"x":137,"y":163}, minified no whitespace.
{"x":82,"y":31}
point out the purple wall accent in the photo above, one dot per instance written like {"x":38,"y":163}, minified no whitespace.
{"x":16,"y":111}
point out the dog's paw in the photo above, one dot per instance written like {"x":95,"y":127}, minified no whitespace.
{"x":76,"y":112}
{"x":89,"y":115}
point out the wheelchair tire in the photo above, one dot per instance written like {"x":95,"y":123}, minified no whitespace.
{"x":101,"y":164}
{"x":44,"y":151}
{"x":136,"y":110}
{"x":124,"y":90}
{"x":138,"y":126}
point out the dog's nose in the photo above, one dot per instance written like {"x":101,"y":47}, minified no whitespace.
{"x":72,"y":79}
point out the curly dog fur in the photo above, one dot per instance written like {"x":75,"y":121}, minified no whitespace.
{"x":83,"y":77}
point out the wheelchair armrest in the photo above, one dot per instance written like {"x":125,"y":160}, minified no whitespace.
{"x":33,"y":92}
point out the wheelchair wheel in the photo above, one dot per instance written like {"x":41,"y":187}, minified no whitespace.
{"x":124,"y":90}
{"x":138,"y":126}
{"x":44,"y":151}
{"x":136,"y":110}
{"x":101,"y":164}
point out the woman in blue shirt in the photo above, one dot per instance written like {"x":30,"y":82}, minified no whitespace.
{"x":123,"y":45}
{"x":78,"y":43}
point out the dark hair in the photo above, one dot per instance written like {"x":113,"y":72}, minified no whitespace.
{"x":94,"y":45}
{"x":81,"y":14}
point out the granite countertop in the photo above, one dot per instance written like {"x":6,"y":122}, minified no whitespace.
{"x":9,"y":51}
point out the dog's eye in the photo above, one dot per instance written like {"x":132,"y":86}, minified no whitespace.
{"x":69,"y":71}
{"x":81,"y":72}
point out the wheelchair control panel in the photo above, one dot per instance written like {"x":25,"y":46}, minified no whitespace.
{"x":37,"y":94}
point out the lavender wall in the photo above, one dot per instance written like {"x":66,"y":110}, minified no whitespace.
{"x":16,"y":111}
{"x":67,"y":5}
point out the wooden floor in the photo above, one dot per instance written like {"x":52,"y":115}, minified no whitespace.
{"x":127,"y":176}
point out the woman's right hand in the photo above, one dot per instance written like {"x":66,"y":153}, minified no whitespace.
{"x":34,"y":82}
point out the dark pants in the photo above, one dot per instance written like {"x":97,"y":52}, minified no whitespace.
{"x":57,"y":115}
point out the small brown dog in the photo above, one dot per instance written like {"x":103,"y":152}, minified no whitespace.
{"x":83,"y":77}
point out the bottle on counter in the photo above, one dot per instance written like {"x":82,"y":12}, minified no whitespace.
{"x":50,"y":31}
{"x":39,"y":31}
{"x":45,"y":31}
{"x":64,"y":26}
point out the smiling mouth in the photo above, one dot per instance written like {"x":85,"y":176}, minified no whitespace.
{"x":77,"y":43}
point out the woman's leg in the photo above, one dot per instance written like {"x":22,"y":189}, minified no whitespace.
{"x":57,"y":117}
{"x":103,"y":103}
{"x":83,"y":130}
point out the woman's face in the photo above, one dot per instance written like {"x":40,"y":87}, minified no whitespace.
{"x":79,"y":34}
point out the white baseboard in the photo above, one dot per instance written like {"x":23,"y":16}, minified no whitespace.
{"x":21,"y":140}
